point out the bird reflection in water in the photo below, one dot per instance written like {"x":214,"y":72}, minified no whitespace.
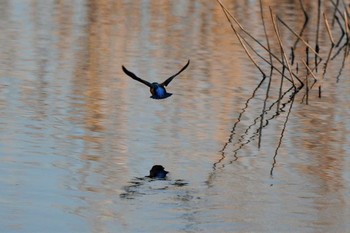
{"x":157,"y":173}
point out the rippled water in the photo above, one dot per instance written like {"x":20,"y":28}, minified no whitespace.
{"x":77,"y":136}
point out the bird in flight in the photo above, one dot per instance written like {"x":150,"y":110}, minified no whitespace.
{"x":157,"y":89}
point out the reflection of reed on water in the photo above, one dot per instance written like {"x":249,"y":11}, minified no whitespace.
{"x":297,"y":78}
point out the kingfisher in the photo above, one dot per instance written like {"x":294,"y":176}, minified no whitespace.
{"x":157,"y":89}
{"x":157,"y":172}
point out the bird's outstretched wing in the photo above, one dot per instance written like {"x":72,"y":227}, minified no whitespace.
{"x":133,"y":76}
{"x":166,"y":82}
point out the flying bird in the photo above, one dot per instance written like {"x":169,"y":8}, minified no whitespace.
{"x":157,"y":90}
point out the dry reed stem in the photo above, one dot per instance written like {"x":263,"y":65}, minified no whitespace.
{"x":281,"y":45}
{"x":308,"y":68}
{"x":246,"y":32}
{"x":258,"y":42}
{"x":307,"y":44}
{"x":346,"y":9}
{"x":250,"y":46}
{"x":236,"y":21}
{"x":240,"y":38}
{"x":267,"y":38}
{"x":328,"y":29}
{"x":346,"y":25}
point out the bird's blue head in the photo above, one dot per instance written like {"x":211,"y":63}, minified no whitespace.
{"x":157,"y":172}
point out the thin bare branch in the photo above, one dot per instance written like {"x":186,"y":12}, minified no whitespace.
{"x":328,"y":29}
{"x":240,"y":40}
{"x":281,"y":44}
{"x":290,"y":29}
{"x":308,"y":68}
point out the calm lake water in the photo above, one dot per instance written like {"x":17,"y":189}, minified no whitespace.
{"x":77,"y":136}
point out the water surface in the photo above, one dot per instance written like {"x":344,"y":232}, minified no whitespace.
{"x":77,"y":135}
